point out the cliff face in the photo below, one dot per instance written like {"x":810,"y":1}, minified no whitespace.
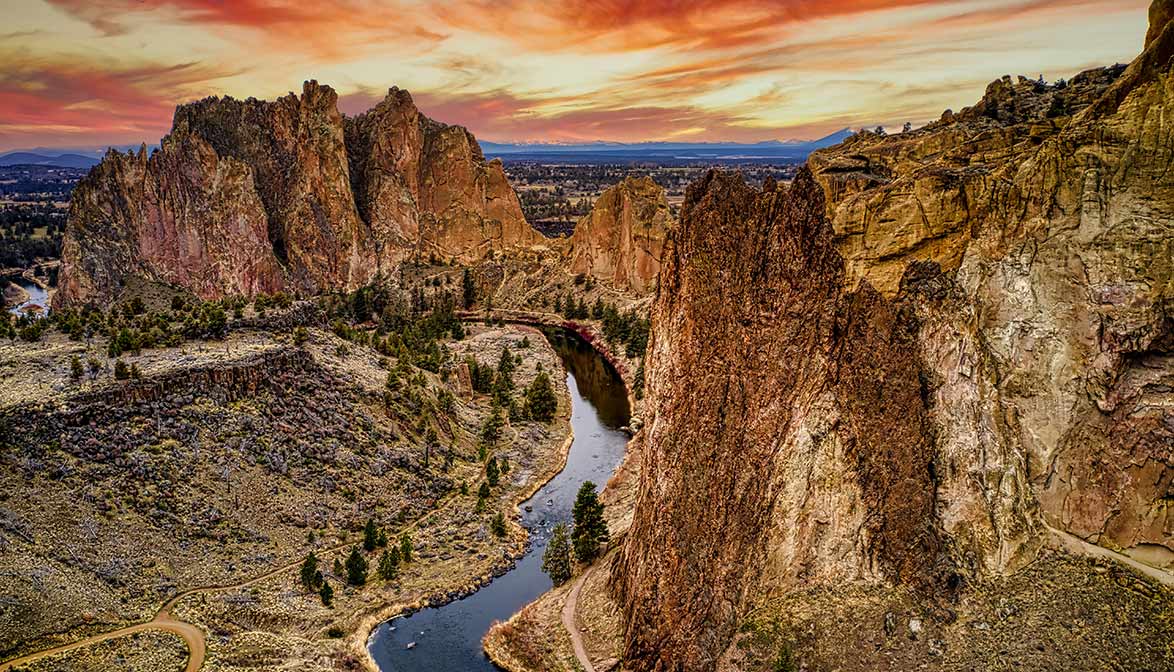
{"x":248,"y":196}
{"x":622,"y":238}
{"x":909,"y":364}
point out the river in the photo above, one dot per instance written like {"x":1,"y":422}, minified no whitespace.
{"x":37,"y":296}
{"x":449,"y":637}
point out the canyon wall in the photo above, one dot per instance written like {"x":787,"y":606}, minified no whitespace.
{"x":254,"y":196}
{"x":912,"y":362}
{"x":621,"y":239}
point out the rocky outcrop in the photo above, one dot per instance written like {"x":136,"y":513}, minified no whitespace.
{"x":253,"y":196}
{"x":910,"y":363}
{"x":621,"y":239}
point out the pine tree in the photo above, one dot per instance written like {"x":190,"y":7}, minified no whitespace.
{"x":370,"y":536}
{"x":556,"y":559}
{"x":310,"y":571}
{"x":388,"y":567}
{"x":356,"y":568}
{"x":326,"y":593}
{"x":497,"y":525}
{"x":468,"y":289}
{"x":405,"y":547}
{"x":75,"y":368}
{"x":541,"y":403}
{"x":590,"y":528}
{"x":492,"y":472}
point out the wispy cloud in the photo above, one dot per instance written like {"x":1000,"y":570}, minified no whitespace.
{"x":547,"y":69}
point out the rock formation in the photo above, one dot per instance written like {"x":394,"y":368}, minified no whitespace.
{"x":620,"y":240}
{"x":250,"y":196}
{"x":912,"y":362}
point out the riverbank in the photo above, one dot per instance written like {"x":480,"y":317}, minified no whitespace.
{"x":535,"y":638}
{"x":449,"y":637}
{"x":272,"y":510}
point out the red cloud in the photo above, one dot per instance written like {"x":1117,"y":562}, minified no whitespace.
{"x":332,"y":28}
{"x":499,"y":115}
{"x":46,"y":102}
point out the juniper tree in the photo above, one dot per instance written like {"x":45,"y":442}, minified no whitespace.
{"x":356,"y":568}
{"x":491,"y":472}
{"x":326,"y":593}
{"x":370,"y":536}
{"x":556,"y":559}
{"x":388,"y":568}
{"x":310,"y":573}
{"x":590,"y":528}
{"x":541,"y":402}
{"x":405,"y":547}
{"x":497,"y":525}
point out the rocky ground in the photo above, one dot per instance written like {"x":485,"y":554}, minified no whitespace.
{"x":224,"y":466}
{"x":140,"y":652}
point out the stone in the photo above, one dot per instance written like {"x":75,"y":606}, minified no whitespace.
{"x":245,"y":197}
{"x":912,"y":362}
{"x":621,"y":240}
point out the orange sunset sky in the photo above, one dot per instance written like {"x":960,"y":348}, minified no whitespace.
{"x":84,"y":73}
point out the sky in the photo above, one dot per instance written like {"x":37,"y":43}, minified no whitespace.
{"x":91,"y":73}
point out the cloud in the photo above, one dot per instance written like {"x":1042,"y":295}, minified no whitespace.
{"x":45,"y":101}
{"x":326,"y":27}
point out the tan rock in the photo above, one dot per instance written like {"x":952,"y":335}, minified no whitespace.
{"x":621,"y":239}
{"x":249,"y":196}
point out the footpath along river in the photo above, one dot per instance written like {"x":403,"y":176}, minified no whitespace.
{"x":449,"y":637}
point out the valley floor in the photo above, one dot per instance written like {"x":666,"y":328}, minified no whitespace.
{"x":203,"y":486}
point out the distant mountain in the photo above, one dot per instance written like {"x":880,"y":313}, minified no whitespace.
{"x":61,"y":160}
{"x":791,"y":150}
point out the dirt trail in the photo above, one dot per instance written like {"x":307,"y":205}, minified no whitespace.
{"x":192,"y":635}
{"x":569,"y":608}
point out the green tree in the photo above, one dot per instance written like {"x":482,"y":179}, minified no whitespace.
{"x":491,"y":472}
{"x":388,"y":567}
{"x":75,"y":368}
{"x":556,"y":559}
{"x":590,"y":528}
{"x":468,"y":289}
{"x":310,"y":571}
{"x":541,"y":402}
{"x":491,"y":429}
{"x":497,"y":525}
{"x":300,"y":335}
{"x":405,"y":547}
{"x":121,"y":370}
{"x":356,"y":568}
{"x":370,"y":536}
{"x":326,"y":593}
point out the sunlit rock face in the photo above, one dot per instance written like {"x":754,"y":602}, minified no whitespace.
{"x":907,"y":365}
{"x":621,"y":239}
{"x":249,"y":196}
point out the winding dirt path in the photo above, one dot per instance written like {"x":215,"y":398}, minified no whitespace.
{"x":192,"y":634}
{"x":569,"y":608}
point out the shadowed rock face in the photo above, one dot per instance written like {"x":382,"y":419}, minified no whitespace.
{"x":1011,"y":371}
{"x":248,"y":196}
{"x":800,"y":447}
{"x":621,"y":239}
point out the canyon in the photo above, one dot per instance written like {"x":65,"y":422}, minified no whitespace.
{"x":912,"y":409}
{"x":914,"y":365}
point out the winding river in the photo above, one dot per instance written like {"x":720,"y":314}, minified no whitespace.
{"x":449,"y":637}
